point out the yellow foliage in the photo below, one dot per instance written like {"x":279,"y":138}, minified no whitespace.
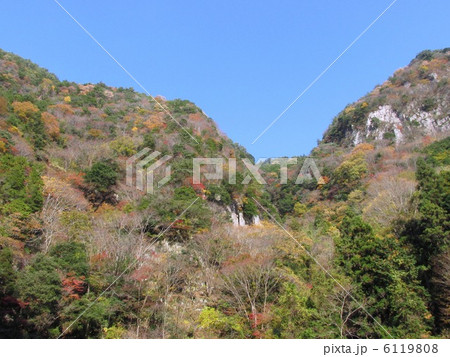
{"x":134,"y":129}
{"x":3,"y":148}
{"x":54,"y":186}
{"x":47,"y":85}
{"x":143,"y":111}
{"x":95,"y":133}
{"x":67,"y":99}
{"x":14,"y":130}
{"x":24,"y":109}
{"x":349,"y":109}
{"x":334,"y":232}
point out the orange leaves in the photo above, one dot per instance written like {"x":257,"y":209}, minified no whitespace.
{"x":95,"y":133}
{"x":196,"y":117}
{"x":64,"y":109}
{"x":24,"y":109}
{"x":51,"y":125}
{"x":155,"y":121}
{"x":85,"y":89}
{"x":363,"y":148}
{"x":76,"y":179}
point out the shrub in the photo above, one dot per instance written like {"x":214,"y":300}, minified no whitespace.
{"x":429,"y":104}
{"x":123,"y":146}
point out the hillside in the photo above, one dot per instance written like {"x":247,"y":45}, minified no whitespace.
{"x":84,"y":254}
{"x":413,"y":102}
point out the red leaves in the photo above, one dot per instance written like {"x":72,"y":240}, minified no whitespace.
{"x":73,"y":286}
{"x":10,"y":302}
{"x":76,"y":179}
{"x":257,"y":321}
{"x":142,"y":273}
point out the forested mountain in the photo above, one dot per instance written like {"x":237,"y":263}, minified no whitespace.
{"x":83,"y":254}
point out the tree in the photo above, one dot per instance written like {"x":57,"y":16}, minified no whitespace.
{"x":71,"y":257}
{"x":20,"y":186}
{"x":7,"y":272}
{"x":123,"y":146}
{"x":51,"y":125}
{"x":39,"y":286}
{"x":11,"y":323}
{"x":384,"y":272}
{"x":429,"y":236}
{"x":88,"y":318}
{"x":25,"y":110}
{"x":101,"y":177}
{"x":350,"y":172}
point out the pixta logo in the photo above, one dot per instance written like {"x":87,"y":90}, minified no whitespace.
{"x":144,"y":168}
{"x":147,"y":167}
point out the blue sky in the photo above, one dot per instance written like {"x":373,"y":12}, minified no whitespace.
{"x":242,"y":62}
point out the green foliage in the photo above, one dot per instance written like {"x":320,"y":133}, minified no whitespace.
{"x":179,"y":106}
{"x":219,"y":324}
{"x":95,"y":317}
{"x":300,"y":209}
{"x":348,"y":120}
{"x":286,"y":204}
{"x":294,"y":316}
{"x":429,"y":104}
{"x":71,"y":257}
{"x":77,"y":223}
{"x":438,"y":153}
{"x":389,"y":135}
{"x":249,"y":207}
{"x":430,"y":234}
{"x":40,"y":286}
{"x":7,"y":272}
{"x":385,"y":272}
{"x":20,"y":186}
{"x":102,"y":175}
{"x":219,"y":193}
{"x":425,"y":55}
{"x":350,"y":172}
{"x":149,"y":142}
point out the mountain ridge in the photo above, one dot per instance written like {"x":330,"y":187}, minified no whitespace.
{"x":412,"y":102}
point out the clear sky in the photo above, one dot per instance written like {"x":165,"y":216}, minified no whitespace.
{"x":242,"y":62}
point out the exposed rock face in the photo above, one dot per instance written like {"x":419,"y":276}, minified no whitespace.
{"x":413,"y":102}
{"x":237,"y":217}
{"x":256,"y":220}
{"x":384,"y":123}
